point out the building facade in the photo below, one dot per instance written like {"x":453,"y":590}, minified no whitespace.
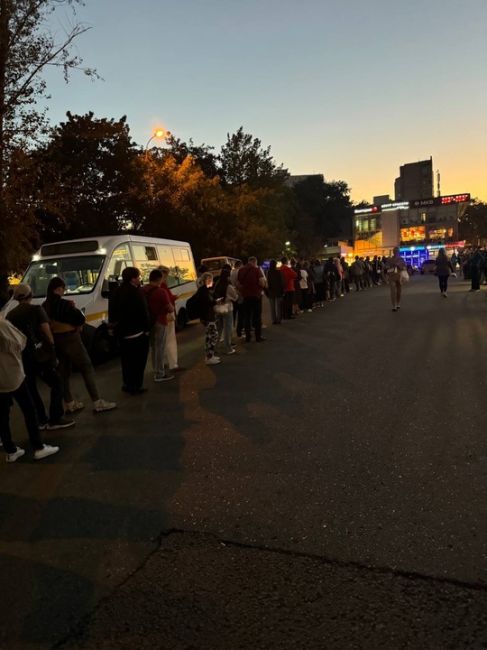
{"x":415,"y":181}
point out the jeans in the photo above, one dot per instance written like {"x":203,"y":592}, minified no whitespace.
{"x":71,"y":352}
{"x":443,"y":282}
{"x":157,"y":346}
{"x":226,"y":322}
{"x":253,"y":317}
{"x":24,"y":399}
{"x":276,"y":309}
{"x":50,"y":376}
{"x":211,"y":339}
{"x":133,"y":358}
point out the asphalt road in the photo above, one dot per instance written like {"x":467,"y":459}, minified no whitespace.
{"x":324,"y":489}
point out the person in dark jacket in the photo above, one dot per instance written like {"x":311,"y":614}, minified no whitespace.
{"x":39,"y":358}
{"x":206,"y":308}
{"x":443,"y":270}
{"x":275,"y":291}
{"x":66,"y":322}
{"x":129,"y":317}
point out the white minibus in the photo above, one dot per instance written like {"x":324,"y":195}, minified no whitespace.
{"x":91,"y":267}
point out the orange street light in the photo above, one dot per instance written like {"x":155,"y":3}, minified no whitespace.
{"x":159,"y":134}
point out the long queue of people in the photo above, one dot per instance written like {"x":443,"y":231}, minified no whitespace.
{"x":44,"y":342}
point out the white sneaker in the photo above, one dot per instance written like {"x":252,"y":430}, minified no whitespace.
{"x":212,"y":361}
{"x":47,"y":450}
{"x":163,"y":378}
{"x":101,"y":405}
{"x":73,"y":407}
{"x":18,"y":453}
{"x":232,"y":351}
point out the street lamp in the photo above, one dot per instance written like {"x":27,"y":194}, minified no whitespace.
{"x":159,"y":134}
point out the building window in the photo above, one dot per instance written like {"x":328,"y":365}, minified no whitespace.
{"x":423,"y":217}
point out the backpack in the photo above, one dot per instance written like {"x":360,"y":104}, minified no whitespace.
{"x":193,"y":306}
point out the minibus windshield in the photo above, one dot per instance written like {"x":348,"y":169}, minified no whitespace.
{"x":79,"y":273}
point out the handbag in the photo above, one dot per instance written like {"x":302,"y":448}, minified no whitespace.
{"x":222,"y":309}
{"x":404,"y":276}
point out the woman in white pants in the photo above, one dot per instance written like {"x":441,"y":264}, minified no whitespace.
{"x":171,"y":344}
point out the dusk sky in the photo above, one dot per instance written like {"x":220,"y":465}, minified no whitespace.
{"x":347,"y":88}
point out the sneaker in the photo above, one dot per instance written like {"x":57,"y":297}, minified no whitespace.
{"x":101,"y":405}
{"x":62,"y":423}
{"x":445,"y":295}
{"x":213,"y":361}
{"x":18,"y":453}
{"x":42,"y":426}
{"x":163,"y":378}
{"x":261,"y":339}
{"x":232,"y":351}
{"x":47,"y":450}
{"x":309,"y":311}
{"x":73,"y":407}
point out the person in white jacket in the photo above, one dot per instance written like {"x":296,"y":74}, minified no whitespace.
{"x":14,"y":387}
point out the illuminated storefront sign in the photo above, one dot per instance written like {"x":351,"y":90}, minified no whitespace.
{"x":399,"y":205}
{"x":440,"y":200}
{"x":415,"y":233}
{"x":440,"y":233}
{"x":371,"y":209}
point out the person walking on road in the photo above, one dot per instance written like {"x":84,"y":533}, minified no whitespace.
{"x":129,"y":319}
{"x":251,"y":282}
{"x":444,"y":268}
{"x":159,"y":307}
{"x":66,"y":323}
{"x":396,"y":266}
{"x":39,"y":358}
{"x":13,"y":386}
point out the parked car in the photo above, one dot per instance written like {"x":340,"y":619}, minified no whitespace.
{"x":428,"y":266}
{"x":215,"y":264}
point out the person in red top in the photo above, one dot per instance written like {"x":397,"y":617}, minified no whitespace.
{"x":289,"y":279}
{"x":251,"y":282}
{"x":160,"y":307}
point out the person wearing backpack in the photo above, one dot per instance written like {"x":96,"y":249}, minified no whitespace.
{"x":159,"y":307}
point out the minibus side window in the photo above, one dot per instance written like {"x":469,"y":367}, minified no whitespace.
{"x":166,"y":259}
{"x":184,"y":265}
{"x":119,"y":260}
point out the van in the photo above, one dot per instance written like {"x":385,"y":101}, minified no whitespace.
{"x":215,"y":264}
{"x":93,"y":266}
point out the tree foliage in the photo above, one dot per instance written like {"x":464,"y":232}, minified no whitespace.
{"x":27,"y":48}
{"x":473,"y":223}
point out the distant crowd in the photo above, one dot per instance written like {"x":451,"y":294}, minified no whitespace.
{"x":44,"y":341}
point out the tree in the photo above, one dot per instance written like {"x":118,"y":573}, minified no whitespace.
{"x":243,"y":160}
{"x":27,"y":48}
{"x":202,"y":154}
{"x":86,"y":180}
{"x":473,"y":223}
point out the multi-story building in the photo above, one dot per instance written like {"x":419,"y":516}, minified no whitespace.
{"x":415,"y":181}
{"x":419,"y":226}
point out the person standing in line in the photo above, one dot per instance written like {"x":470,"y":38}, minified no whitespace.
{"x":319,"y":283}
{"x":275,"y":292}
{"x":346,"y":277}
{"x":171,"y":347}
{"x":238,"y":319}
{"x":206,"y":308}
{"x":289,"y":276}
{"x":225,"y":295}
{"x":251,"y":283}
{"x":356,"y":271}
{"x":395,"y":266}
{"x":339,"y":287}
{"x":475,"y":266}
{"x":13,"y":386}
{"x":39,"y":358}
{"x":303,"y":279}
{"x":444,"y":268}
{"x":159,"y":307}
{"x":129,"y":318}
{"x":66,"y":323}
